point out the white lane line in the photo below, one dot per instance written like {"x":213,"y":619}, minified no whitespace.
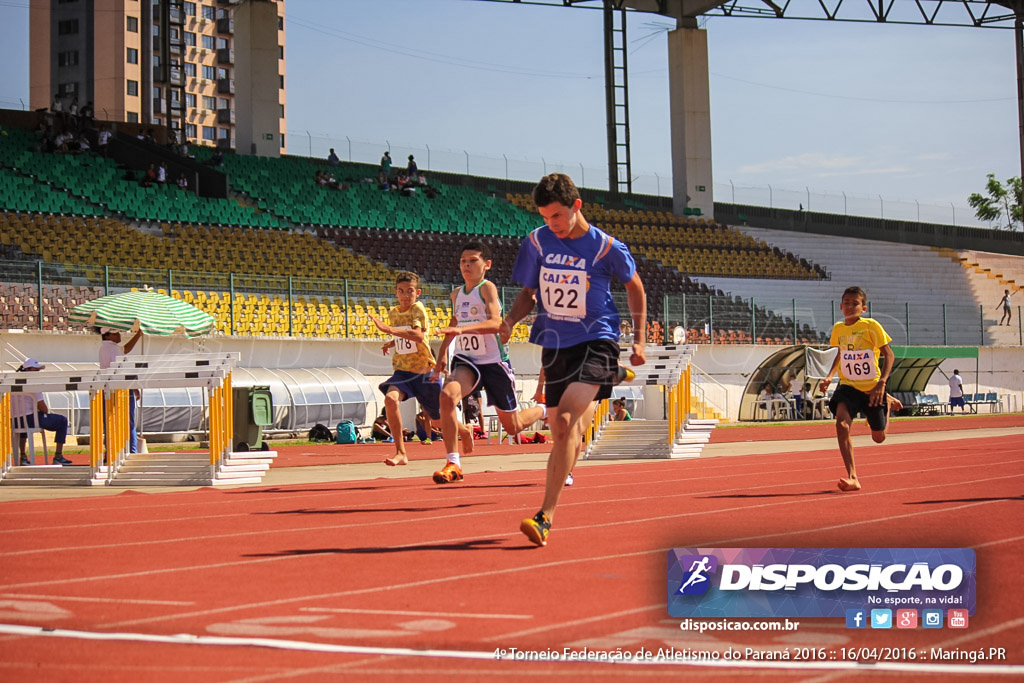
{"x":252,"y":561}
{"x":728,"y":467}
{"x":1002,"y":540}
{"x":407,"y":613}
{"x":482,"y":574}
{"x":490,"y":655}
{"x":476,"y":513}
{"x":577,"y":622}
{"x":119,"y":601}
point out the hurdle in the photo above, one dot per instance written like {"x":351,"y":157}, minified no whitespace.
{"x":109,"y":419}
{"x":680,"y":435}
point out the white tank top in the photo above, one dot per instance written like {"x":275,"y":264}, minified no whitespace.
{"x":479,"y":348}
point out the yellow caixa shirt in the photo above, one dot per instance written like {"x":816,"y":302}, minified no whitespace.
{"x":858,"y":352}
{"x":407,"y":355}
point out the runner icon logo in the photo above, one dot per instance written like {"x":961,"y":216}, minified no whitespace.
{"x":696,"y":581}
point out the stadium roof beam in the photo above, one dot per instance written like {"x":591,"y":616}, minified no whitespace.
{"x":1002,"y":14}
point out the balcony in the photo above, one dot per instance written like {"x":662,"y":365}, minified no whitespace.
{"x":225,"y":55}
{"x":226,"y":86}
{"x":226,"y":25}
{"x":177,"y":77}
{"x":158,"y":105}
{"x":225,"y":116}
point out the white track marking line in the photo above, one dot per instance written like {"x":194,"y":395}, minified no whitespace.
{"x":120,"y":601}
{"x":1004,"y":540}
{"x":575,"y":622}
{"x":431,"y":519}
{"x":251,"y":561}
{"x":729,"y":468}
{"x":307,"y":646}
{"x":476,"y":575}
{"x":407,"y":613}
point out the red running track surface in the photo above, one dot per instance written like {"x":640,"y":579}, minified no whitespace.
{"x":354,"y":575}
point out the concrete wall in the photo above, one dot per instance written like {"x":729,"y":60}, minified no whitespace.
{"x":690,"y":120}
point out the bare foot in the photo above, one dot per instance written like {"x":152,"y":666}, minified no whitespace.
{"x":849,"y":484}
{"x":466,"y":440}
{"x":397,"y":459}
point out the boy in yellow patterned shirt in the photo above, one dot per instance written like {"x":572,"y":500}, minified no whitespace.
{"x":412,"y":363}
{"x":861,"y":341}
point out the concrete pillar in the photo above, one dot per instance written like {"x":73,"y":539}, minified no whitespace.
{"x":257,"y":99}
{"x":690,"y":119}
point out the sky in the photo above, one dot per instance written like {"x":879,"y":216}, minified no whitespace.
{"x":905,"y":120}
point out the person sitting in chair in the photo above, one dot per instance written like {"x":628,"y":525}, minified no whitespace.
{"x":29,"y":409}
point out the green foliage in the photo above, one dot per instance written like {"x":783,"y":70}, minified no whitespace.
{"x":1001,"y":204}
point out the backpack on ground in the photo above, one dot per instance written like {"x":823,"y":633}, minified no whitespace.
{"x":320,"y":432}
{"x":347,"y":432}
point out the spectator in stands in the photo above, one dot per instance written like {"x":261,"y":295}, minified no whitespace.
{"x":150,"y":136}
{"x":382,"y":181}
{"x":625,"y":332}
{"x":58,"y":105}
{"x":956,"y":392}
{"x":385,"y":164}
{"x":87,"y":114}
{"x":332,"y":158}
{"x":412,"y":170}
{"x":110,"y":349}
{"x":182,"y":181}
{"x":103,"y":139}
{"x":82,"y":142}
{"x":28,"y":409}
{"x":149,"y":178}
{"x":1007,"y":311}
{"x":63,"y":143}
{"x":217,"y":159}
{"x":73,"y":109}
{"x":161,"y":173}
{"x":806,"y":405}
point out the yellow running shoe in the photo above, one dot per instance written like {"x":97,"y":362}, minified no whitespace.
{"x":536,"y":528}
{"x":447,"y":474}
{"x":625,"y":375}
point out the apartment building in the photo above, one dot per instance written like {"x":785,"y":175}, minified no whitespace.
{"x":213,"y":70}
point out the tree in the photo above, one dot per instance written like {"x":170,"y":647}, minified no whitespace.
{"x":1002,"y":203}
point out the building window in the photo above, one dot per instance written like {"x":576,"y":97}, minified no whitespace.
{"x":190,"y":130}
{"x":280,"y":51}
{"x":282,"y":111}
{"x":209,"y":102}
{"x":133,"y":88}
{"x":222,"y":43}
{"x":280,"y":23}
{"x":209,"y":13}
{"x":209,"y":133}
{"x":280,"y":80}
{"x":209,"y":42}
{"x":190,"y":69}
{"x":67,"y":89}
{"x":282,"y":140}
{"x":190,"y":39}
{"x":175,"y":34}
{"x":67,"y":27}
{"x":190,"y":100}
{"x":132,"y":24}
{"x":224,"y":103}
{"x":132,"y":117}
{"x":156,"y":30}
{"x":190,"y":9}
{"x":69,"y":58}
{"x":224,"y":133}
{"x":222,"y":72}
{"x":209,"y":72}
{"x":157,"y":94}
{"x":133,"y":56}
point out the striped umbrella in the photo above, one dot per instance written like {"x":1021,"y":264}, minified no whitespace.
{"x":152,"y":312}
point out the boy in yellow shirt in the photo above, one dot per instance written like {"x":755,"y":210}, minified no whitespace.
{"x":861,"y":342}
{"x":412,"y":363}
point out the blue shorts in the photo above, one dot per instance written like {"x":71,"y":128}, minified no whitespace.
{"x":955,"y":401}
{"x":416,"y":384}
{"x":497,"y":379}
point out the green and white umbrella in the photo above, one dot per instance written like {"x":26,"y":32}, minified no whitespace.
{"x":146,"y":310}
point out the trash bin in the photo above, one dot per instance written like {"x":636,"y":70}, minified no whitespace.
{"x":254,"y":410}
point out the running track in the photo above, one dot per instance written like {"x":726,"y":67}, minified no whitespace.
{"x":345,"y":579}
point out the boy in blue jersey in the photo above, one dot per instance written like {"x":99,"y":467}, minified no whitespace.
{"x":567,"y":265}
{"x":480,"y":359}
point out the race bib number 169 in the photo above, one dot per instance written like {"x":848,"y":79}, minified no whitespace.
{"x":857,"y":364}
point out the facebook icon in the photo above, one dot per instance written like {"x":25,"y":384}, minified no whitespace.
{"x":856,"y":618}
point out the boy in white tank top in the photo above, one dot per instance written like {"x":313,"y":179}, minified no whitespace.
{"x":479,"y":359}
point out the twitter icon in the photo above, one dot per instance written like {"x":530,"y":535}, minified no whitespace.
{"x":881,"y":618}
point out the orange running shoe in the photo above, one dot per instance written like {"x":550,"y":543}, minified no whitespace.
{"x":447,"y":474}
{"x":536,"y":528}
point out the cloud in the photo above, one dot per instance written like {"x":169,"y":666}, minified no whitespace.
{"x":808,"y":162}
{"x":867,"y":171}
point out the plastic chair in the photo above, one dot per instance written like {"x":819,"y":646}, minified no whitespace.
{"x":21,"y":428}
